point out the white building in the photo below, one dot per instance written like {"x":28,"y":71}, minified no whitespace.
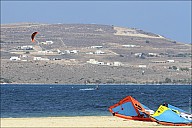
{"x":96,"y":46}
{"x":47,"y":42}
{"x":89,"y":53}
{"x":23,"y":56}
{"x":129,"y":46}
{"x":152,"y":54}
{"x":117,"y":64}
{"x":92,"y":61}
{"x":58,"y":51}
{"x":40,"y":58}
{"x":171,"y":61}
{"x":27,"y":47}
{"x":138,"y":54}
{"x":14,"y":58}
{"x":99,"y":52}
{"x":74,"y":51}
{"x":71,"y":52}
{"x":142,"y":66}
{"x":101,"y":63}
{"x":45,"y":52}
{"x":67,"y":51}
{"x":36,"y":58}
{"x":108,"y":64}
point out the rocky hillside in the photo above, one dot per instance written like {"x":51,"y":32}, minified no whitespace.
{"x":91,"y":53}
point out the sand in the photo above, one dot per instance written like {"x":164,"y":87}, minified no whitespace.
{"x":131,"y":32}
{"x":78,"y":121}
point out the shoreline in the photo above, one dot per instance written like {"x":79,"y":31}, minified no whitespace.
{"x":169,"y":84}
{"x":76,"y":121}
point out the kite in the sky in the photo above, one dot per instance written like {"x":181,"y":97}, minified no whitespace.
{"x":33,"y":36}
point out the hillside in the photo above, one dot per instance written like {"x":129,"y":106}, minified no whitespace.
{"x":91,"y":53}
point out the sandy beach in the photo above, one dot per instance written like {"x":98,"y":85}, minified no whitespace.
{"x":78,"y":121}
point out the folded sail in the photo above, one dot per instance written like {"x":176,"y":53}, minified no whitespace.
{"x":129,"y":108}
{"x":171,"y":115}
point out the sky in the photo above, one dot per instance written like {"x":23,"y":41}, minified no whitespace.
{"x":171,"y":19}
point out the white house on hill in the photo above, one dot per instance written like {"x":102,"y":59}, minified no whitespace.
{"x":96,"y":46}
{"x":14,"y":58}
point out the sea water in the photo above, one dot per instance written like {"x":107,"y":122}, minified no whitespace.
{"x":83,"y":100}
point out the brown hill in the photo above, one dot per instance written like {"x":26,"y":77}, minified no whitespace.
{"x":79,"y":53}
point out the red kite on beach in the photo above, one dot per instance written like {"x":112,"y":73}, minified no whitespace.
{"x":33,"y":36}
{"x":130,"y":108}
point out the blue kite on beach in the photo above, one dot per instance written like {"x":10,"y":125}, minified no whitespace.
{"x":168,"y":114}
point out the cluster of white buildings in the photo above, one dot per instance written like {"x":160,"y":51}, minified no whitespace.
{"x":167,"y":61}
{"x":148,"y":54}
{"x":45,"y":52}
{"x":40,"y":58}
{"x":15,"y":58}
{"x":19,"y":58}
{"x":97,"y":52}
{"x":27,"y":47}
{"x":97,"y":47}
{"x":71,"y":52}
{"x":171,"y":61}
{"x":130,"y":46}
{"x":47,"y":42}
{"x":58,"y":51}
{"x":142,"y":66}
{"x":93,"y":61}
{"x":67,"y":52}
{"x":152,"y":54}
{"x":139,"y":54}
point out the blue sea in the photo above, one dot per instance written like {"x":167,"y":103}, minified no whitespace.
{"x":79,"y":100}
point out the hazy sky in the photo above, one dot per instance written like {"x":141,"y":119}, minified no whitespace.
{"x":171,"y":19}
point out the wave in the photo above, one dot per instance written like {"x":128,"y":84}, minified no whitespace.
{"x":87,"y":89}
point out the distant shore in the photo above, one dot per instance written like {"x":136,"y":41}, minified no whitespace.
{"x":87,"y":84}
{"x":56,"y":72}
{"x":78,"y":121}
